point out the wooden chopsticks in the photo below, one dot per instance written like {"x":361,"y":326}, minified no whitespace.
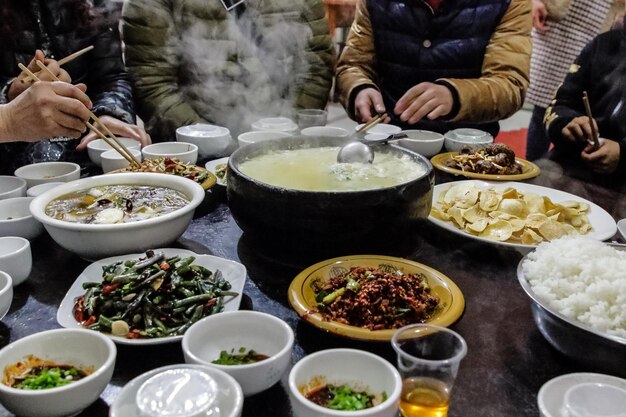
{"x":596,"y":136}
{"x":373,"y":122}
{"x":113,"y":141}
{"x":63,"y":61}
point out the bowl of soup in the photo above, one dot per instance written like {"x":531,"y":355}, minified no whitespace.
{"x":291,"y":194}
{"x":118,"y":214}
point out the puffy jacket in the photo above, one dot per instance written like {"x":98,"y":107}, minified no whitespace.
{"x":191,"y":61}
{"x":479,"y":49}
{"x":101,"y":69}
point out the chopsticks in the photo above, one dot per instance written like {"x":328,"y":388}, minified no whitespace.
{"x":113,"y":142}
{"x":595,"y":143}
{"x":373,"y":122}
{"x":63,"y":61}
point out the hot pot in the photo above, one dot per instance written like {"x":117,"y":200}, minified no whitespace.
{"x":329,"y":223}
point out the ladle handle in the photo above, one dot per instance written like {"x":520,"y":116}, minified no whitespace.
{"x":395,"y":136}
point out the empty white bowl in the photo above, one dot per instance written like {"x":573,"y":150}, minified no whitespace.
{"x":42,"y":172}
{"x":279,"y":124}
{"x":6,"y":293}
{"x":95,"y":148}
{"x":183,"y":151}
{"x":113,"y":160}
{"x":42,"y":188}
{"x":356,"y":368}
{"x":253,"y":137}
{"x":381,"y":128}
{"x":15,"y":258}
{"x":455,"y":139}
{"x":325,"y":131}
{"x":17,"y":220}
{"x":11,"y":187}
{"x":424,"y":142}
{"x":77,"y":347}
{"x":595,"y":399}
{"x":211,"y":140}
{"x":261,"y":332}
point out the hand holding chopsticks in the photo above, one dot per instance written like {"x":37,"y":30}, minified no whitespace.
{"x":373,"y":122}
{"x":61,"y":61}
{"x":595,"y":140}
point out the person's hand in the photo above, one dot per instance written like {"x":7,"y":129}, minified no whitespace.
{"x":118,"y":128}
{"x":540,"y":15}
{"x":424,"y":100}
{"x":367,"y":100}
{"x":605,"y":160}
{"x":45,"y":110}
{"x":20,"y":84}
{"x":579,"y":130}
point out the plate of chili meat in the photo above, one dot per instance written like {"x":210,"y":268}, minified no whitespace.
{"x":368,"y":297}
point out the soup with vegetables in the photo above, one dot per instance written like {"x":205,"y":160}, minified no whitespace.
{"x":317,"y":169}
{"x":110,"y":204}
{"x":34,"y":373}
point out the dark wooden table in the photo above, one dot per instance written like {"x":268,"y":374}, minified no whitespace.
{"x":507,"y":362}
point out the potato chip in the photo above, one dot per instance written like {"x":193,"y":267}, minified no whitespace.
{"x":513,"y":207}
{"x":500,"y":231}
{"x":474,"y":214}
{"x":551,"y":230}
{"x":478,"y":226}
{"x":529,"y":237}
{"x":489,"y":200}
{"x":462,"y":195}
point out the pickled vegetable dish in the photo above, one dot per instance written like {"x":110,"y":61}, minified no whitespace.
{"x":34,"y":373}
{"x":242,"y":357}
{"x":341,"y":397}
{"x":110,"y":204}
{"x":151,"y":297}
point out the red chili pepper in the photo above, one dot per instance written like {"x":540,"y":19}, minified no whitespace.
{"x":109,"y":288}
{"x":79,"y":309}
{"x":91,"y":320}
{"x":164,"y":266}
{"x":133,"y":335}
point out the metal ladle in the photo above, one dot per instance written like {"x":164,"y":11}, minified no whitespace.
{"x":360,"y":150}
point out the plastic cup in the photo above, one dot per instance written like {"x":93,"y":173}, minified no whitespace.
{"x":428,"y":361}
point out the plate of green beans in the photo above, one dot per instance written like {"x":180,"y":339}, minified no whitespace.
{"x":153,"y":297}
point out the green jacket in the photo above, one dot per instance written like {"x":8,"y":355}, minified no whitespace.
{"x":191,"y":61}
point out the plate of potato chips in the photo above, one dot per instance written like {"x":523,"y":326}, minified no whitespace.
{"x":516,"y":214}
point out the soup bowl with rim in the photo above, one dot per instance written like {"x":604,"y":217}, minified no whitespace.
{"x":16,"y":258}
{"x":210,"y":139}
{"x":11,"y":187}
{"x":6,"y":293}
{"x":43,"y":172}
{"x":325,"y":223}
{"x":94,"y":241}
{"x":17,"y":220}
{"x":423,"y":142}
{"x":97,"y":147}
{"x":455,"y":139}
{"x":80,"y":348}
{"x":184,"y":152}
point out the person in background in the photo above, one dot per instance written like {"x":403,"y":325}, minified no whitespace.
{"x":561,"y":28}
{"x":45,"y":109}
{"x":47,"y":31}
{"x":437,"y":64}
{"x":600,"y":70}
{"x":200,"y":63}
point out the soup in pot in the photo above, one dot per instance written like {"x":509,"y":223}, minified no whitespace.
{"x":317,"y":169}
{"x":110,"y":204}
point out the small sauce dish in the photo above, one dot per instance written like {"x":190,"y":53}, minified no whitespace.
{"x":15,"y":258}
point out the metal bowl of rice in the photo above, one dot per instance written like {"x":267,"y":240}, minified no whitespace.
{"x":578,"y":289}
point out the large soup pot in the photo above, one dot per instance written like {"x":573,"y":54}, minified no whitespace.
{"x":332,"y":223}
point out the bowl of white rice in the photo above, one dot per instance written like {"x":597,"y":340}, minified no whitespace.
{"x":578,"y":288}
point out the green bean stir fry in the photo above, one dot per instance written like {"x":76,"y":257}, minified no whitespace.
{"x":151,"y":297}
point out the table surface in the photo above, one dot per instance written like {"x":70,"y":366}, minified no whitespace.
{"x":507,"y":362}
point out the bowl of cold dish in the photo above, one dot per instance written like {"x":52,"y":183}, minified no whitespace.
{"x":116,"y":214}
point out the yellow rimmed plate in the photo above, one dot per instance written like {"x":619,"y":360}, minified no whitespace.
{"x":529,"y":170}
{"x":302,"y":294}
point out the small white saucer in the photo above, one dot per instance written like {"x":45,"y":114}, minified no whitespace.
{"x":621,"y":227}
{"x":211,"y":165}
{"x":552,"y":393}
{"x":229,"y":397}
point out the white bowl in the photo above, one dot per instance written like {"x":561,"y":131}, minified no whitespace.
{"x":331,"y":131}
{"x":423,"y":142}
{"x":112,"y":160}
{"x":211,"y":140}
{"x":43,"y":172}
{"x":95,"y":148}
{"x":15,"y":258}
{"x":11,"y":187}
{"x":454,"y":140}
{"x":381,"y":128}
{"x":261,"y":136}
{"x":261,"y":332}
{"x":42,"y":188}
{"x":356,"y":368}
{"x":230,"y":397}
{"x":6,"y":293}
{"x":184,"y":152}
{"x":594,"y":399}
{"x":76,"y":347}
{"x":94,"y":241}
{"x":276,"y":124}
{"x":17,"y":220}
